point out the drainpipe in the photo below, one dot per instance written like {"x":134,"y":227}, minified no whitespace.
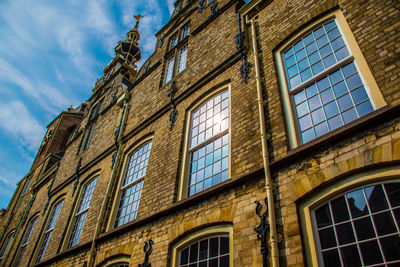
{"x":273,"y":236}
{"x":92,"y":255}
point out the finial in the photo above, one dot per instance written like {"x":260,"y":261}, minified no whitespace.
{"x":137,"y":17}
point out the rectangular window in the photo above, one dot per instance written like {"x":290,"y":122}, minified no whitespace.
{"x":182,"y":59}
{"x":173,"y":41}
{"x":81,"y":213}
{"x":185,"y":31}
{"x":96,"y":110}
{"x":49,"y":230}
{"x":170,"y":69}
{"x":25,"y":241}
{"x":177,"y":53}
{"x":91,"y":125}
{"x":209,"y":144}
{"x":131,"y":188}
{"x":323,"y":82}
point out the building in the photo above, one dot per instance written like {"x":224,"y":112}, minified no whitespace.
{"x":296,"y":101}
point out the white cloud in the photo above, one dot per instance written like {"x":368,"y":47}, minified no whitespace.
{"x":171,"y":6}
{"x":4,"y":181}
{"x":16,"y":120}
{"x":49,"y":98}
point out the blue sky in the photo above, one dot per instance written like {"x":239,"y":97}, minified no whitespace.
{"x":51,"y":53}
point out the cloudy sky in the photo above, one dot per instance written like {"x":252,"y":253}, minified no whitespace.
{"x":51,"y":53}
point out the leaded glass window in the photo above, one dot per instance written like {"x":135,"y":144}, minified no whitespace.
{"x":49,"y":230}
{"x":360,"y":227}
{"x":6,"y":244}
{"x":25,"y":241}
{"x":81,"y":213}
{"x":211,"y":251}
{"x":131,"y":188}
{"x":209,"y":144}
{"x":177,"y":53}
{"x":324,"y":82}
{"x":170,"y":69}
{"x":182,"y":58}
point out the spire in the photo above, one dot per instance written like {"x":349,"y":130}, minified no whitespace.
{"x":129,"y":49}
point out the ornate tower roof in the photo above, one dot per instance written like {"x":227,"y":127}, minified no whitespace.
{"x":129,"y":49}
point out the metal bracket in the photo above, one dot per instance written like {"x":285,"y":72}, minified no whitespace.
{"x":245,"y":69}
{"x":262,"y":230}
{"x":214,"y":8}
{"x":201,"y":6}
{"x":172,"y":116}
{"x":147,"y":249}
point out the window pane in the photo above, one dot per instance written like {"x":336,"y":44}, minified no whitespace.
{"x":331,"y":93}
{"x":350,"y":256}
{"x":331,"y":258}
{"x":327,"y":238}
{"x":169,"y":69}
{"x":371,"y":253}
{"x":182,"y":59}
{"x":209,"y":163}
{"x":82,"y":213}
{"x":393,"y":192}
{"x":205,"y":252}
{"x":368,"y":234}
{"x":129,"y":204}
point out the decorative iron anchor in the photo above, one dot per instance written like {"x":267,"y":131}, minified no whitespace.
{"x":262,"y":230}
{"x":147,"y":249}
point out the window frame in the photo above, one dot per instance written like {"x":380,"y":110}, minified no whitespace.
{"x":307,"y":206}
{"x":91,"y":125}
{"x":44,"y":240}
{"x":9,"y":238}
{"x":355,"y":56}
{"x":25,"y":239}
{"x":122,"y":188}
{"x":174,"y":52}
{"x":209,"y":232}
{"x":77,"y":213}
{"x":184,"y":175}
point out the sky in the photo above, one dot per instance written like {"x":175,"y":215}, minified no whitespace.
{"x":51,"y":53}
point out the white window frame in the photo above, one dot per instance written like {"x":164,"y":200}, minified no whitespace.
{"x":177,"y":46}
{"x":55,"y":212}
{"x":136,"y":181}
{"x":70,"y":241}
{"x":25,"y":239}
{"x":369,"y":82}
{"x":185,"y":171}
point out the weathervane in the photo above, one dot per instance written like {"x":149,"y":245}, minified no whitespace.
{"x":137,"y":17}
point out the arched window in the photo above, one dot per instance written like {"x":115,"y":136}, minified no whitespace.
{"x":207,"y":247}
{"x":81,"y":213}
{"x":360,"y":227}
{"x":25,"y":240}
{"x":208,"y":145}
{"x":132,"y":184}
{"x":49,"y":229}
{"x":210,"y":251}
{"x":326,"y":82}
{"x":6,"y":244}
